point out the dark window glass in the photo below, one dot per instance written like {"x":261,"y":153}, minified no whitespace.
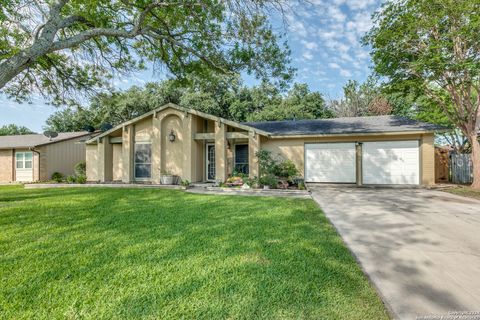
{"x":241,"y":158}
{"x":143,"y":160}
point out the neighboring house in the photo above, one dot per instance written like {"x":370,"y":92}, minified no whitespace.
{"x":200,"y":147}
{"x":33,"y":157}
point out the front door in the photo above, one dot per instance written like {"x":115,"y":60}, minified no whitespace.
{"x":210,"y":161}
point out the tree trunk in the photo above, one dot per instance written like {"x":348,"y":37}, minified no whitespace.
{"x":475,"y":160}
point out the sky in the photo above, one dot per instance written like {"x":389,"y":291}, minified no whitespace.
{"x":323,"y":35}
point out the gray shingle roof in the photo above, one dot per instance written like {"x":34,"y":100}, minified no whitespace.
{"x":373,"y":124}
{"x":34,"y":140}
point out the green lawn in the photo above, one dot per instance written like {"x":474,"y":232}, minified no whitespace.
{"x":464,"y":191}
{"x":145,"y":253}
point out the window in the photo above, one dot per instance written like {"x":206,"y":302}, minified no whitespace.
{"x":241,"y":158}
{"x":24,"y":160}
{"x":143,"y":160}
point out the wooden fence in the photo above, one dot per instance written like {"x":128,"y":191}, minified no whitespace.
{"x":461,"y":168}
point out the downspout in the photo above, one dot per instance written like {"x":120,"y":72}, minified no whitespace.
{"x":38,"y":169}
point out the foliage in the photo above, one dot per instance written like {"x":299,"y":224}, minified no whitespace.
{"x":13,"y":129}
{"x":269,"y":180}
{"x":67,"y":47}
{"x":224,"y":96}
{"x":185,"y":182}
{"x":235,"y":180}
{"x":266,"y":163}
{"x":57,"y":176}
{"x":111,"y":259}
{"x":80,"y":168}
{"x":363,"y":99}
{"x":432,"y":46}
{"x":81,"y":179}
{"x":71,"y":179}
{"x":285,"y":169}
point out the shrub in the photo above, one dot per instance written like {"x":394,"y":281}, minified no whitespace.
{"x":269,"y":180}
{"x":286,"y":169}
{"x":71,"y":179}
{"x":185,"y":183}
{"x":80,"y":168}
{"x":81,"y":179}
{"x":57,"y":177}
{"x":266,"y":163}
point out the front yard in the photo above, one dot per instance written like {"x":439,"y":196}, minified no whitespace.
{"x":146,"y":253}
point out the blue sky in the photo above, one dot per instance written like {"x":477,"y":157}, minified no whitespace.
{"x":324,"y":37}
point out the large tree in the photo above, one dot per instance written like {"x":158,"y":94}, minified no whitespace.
{"x":13,"y":129}
{"x":224,"y":96}
{"x":361,"y":99}
{"x":434,"y":45}
{"x":60,"y":48}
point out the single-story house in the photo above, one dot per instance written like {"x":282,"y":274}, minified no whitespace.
{"x":201,"y":147}
{"x":33,"y":157}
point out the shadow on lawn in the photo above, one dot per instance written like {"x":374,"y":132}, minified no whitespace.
{"x":168,"y":254}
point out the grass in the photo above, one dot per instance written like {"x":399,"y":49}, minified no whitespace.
{"x":164,"y":254}
{"x":464,"y":191}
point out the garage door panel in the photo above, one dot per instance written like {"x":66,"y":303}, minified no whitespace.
{"x":391,"y":162}
{"x":330,"y":162}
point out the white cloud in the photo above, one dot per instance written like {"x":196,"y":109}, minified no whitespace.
{"x":310,"y":45}
{"x":345,"y":73}
{"x":308,"y":55}
{"x":334,"y":65}
{"x":336,"y":14}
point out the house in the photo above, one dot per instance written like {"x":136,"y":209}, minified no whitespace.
{"x":200,"y":147}
{"x":33,"y":157}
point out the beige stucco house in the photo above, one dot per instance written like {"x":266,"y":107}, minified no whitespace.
{"x":200,"y":147}
{"x":34,"y":157}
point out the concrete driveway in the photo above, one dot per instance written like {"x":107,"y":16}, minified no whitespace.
{"x":420,"y":248}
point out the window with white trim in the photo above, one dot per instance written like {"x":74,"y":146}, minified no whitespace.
{"x":143,"y":160}
{"x":241,"y":158}
{"x":24,"y":160}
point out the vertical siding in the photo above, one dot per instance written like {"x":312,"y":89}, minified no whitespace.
{"x":6,"y":165}
{"x":63,"y":156}
{"x":43,"y":174}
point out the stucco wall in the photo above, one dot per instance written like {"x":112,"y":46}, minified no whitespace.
{"x":92,"y":162}
{"x":6,"y":165}
{"x":117,"y":162}
{"x":293,"y":149}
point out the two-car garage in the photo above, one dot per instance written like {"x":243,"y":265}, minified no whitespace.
{"x":379,"y":162}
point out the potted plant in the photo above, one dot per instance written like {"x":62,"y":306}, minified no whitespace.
{"x":168,"y":178}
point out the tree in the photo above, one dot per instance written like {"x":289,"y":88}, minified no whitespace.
{"x":360,"y":100}
{"x":13,"y":129}
{"x":223,"y":96}
{"x":434,"y":45}
{"x":299,"y":103}
{"x":64,"y":47}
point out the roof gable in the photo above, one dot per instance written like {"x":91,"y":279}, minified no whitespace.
{"x":182,"y":109}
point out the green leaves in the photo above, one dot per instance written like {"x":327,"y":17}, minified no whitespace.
{"x":93,"y":39}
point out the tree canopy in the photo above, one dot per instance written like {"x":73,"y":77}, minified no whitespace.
{"x":13,"y":129}
{"x":226,"y":97}
{"x":434,"y":46}
{"x":362,"y":99}
{"x":62,"y":48}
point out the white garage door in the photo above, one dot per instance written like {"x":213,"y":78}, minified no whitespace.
{"x":330,"y":162}
{"x":391,"y":162}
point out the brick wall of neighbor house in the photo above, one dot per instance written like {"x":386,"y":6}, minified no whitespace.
{"x":6,"y":165}
{"x":293,"y":149}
